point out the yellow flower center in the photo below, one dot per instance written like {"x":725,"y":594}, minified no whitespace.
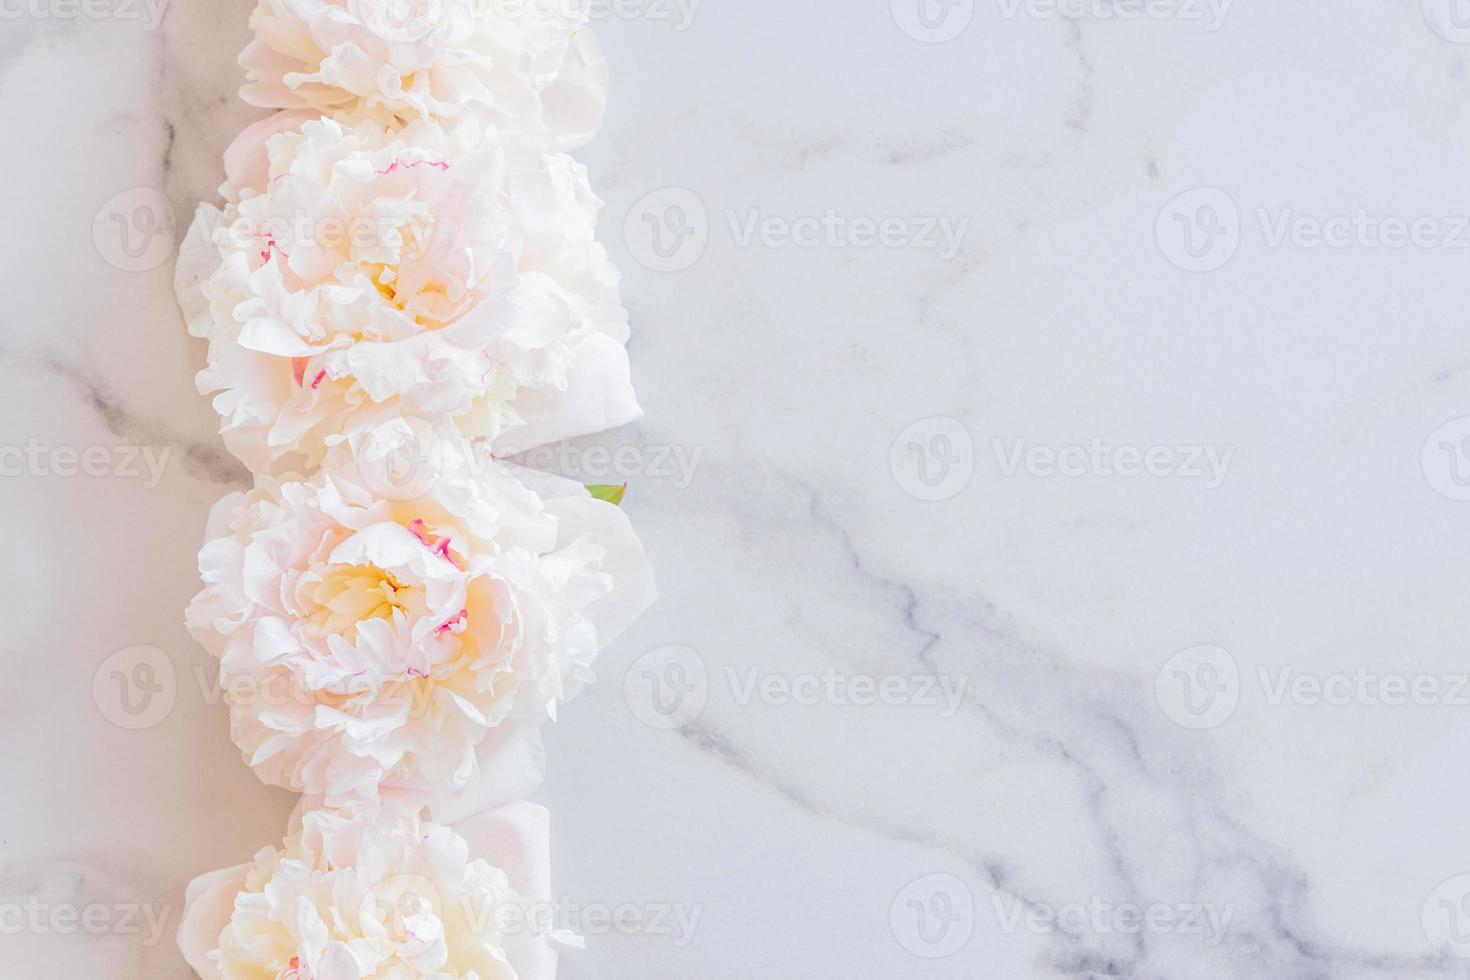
{"x":351,"y":594}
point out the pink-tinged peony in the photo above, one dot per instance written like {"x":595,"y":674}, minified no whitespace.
{"x":360,"y":273}
{"x":372,"y":893}
{"x":402,"y":634}
{"x":530,"y":67}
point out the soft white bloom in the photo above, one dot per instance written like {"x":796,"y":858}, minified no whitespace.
{"x":379,"y":894}
{"x":360,"y":273}
{"x":402,"y":634}
{"x":526,"y":66}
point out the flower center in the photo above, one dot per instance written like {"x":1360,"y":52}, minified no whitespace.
{"x":351,"y":594}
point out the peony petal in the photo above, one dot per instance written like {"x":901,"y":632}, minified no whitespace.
{"x":512,"y":766}
{"x":208,"y":902}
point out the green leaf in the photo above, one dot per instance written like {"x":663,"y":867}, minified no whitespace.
{"x":613,"y":495}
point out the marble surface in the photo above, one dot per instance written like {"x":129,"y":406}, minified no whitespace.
{"x":1053,"y":465}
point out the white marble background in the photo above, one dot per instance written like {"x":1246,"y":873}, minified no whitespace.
{"x":1093,"y":805}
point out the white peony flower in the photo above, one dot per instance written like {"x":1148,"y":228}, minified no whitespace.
{"x":399,"y":626}
{"x":525,"y":66}
{"x":379,"y":894}
{"x":361,"y":273}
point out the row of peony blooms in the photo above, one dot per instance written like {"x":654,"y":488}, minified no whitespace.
{"x":402,"y":289}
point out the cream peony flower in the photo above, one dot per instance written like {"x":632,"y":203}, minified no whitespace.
{"x":401,"y":633}
{"x":379,"y":895}
{"x":361,"y":273}
{"x":530,"y":67}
